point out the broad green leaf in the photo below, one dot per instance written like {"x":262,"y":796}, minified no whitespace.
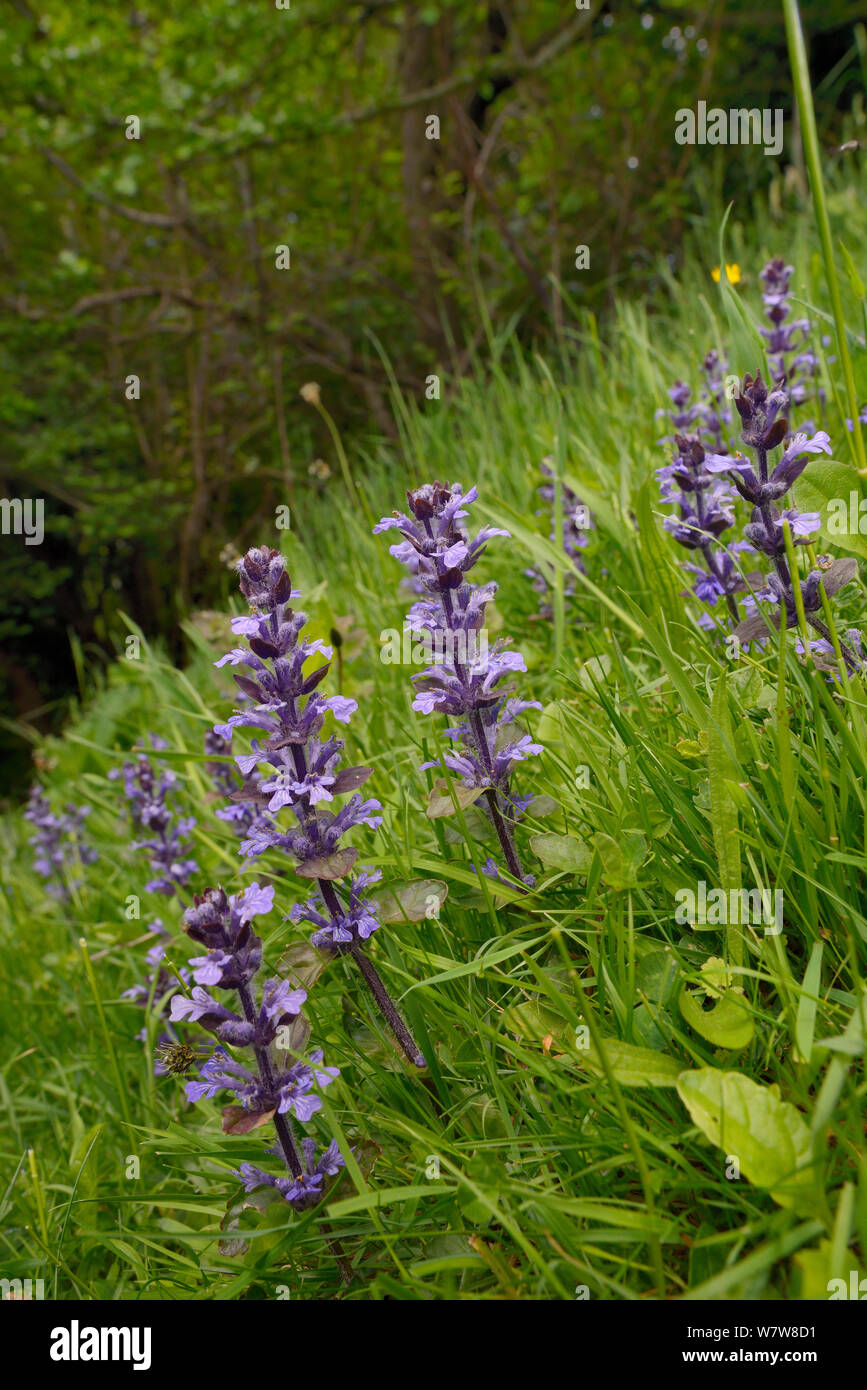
{"x":826,"y":482}
{"x":621,"y":859}
{"x":563,"y":853}
{"x":634,"y":1066}
{"x":656,"y":975}
{"x":331,"y":866}
{"x":531,"y":1020}
{"x":728,"y":1024}
{"x":410,"y":901}
{"x":443,"y":798}
{"x":766,"y":1134}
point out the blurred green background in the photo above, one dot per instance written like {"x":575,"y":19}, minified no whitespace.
{"x":306,"y":128}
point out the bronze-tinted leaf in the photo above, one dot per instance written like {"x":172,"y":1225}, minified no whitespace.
{"x":350,"y":778}
{"x":249,"y":687}
{"x":262,"y":648}
{"x":757,"y":625}
{"x":303,"y":964}
{"x":243,"y":794}
{"x":841,"y":572}
{"x":311,"y":681}
{"x":332,"y":866}
{"x":237,"y":1120}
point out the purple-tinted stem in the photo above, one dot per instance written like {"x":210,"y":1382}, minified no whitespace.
{"x":263,"y":1062}
{"x":385,"y":1003}
{"x":481,"y":742}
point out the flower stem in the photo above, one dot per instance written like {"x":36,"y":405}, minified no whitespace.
{"x":386,"y":1006}
{"x":266,"y":1072}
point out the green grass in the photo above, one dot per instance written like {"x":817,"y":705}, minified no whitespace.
{"x":531,"y":1166}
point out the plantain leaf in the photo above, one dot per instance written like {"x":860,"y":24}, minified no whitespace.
{"x":727,"y":1024}
{"x":563,"y":853}
{"x":764,"y":1133}
{"x":634,"y":1066}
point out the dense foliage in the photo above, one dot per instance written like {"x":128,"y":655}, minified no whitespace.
{"x":255,"y":127}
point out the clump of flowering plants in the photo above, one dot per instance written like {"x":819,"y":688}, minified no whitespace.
{"x":279,"y":1086}
{"x":299,"y":772}
{"x":58,"y":842}
{"x":465,"y":678}
{"x":148,"y":791}
{"x":765,"y":486}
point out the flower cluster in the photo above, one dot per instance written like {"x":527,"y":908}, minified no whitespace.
{"x":705,"y":512}
{"x":244,"y":817}
{"x":764,"y":430}
{"x":792,"y":364}
{"x":465,"y":686}
{"x":272,"y":1087}
{"x":58,"y":842}
{"x":147,"y":790}
{"x":573,"y":539}
{"x":301,"y":769}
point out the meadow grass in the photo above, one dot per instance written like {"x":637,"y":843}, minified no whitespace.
{"x":595,"y":1065}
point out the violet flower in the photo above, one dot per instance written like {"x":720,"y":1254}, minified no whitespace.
{"x":301,"y":768}
{"x":243,"y":816}
{"x":147,"y":791}
{"x":705,"y":512}
{"x":277,"y":1085}
{"x":765,"y":429}
{"x":305,"y":1189}
{"x":58,"y":842}
{"x":574,"y":538}
{"x":790,"y":361}
{"x":465,"y":680}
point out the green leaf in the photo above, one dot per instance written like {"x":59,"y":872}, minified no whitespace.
{"x":764,"y":1133}
{"x":858,"y":287}
{"x":722,"y":773}
{"x":531,"y":1020}
{"x":634,"y":1066}
{"x":805,"y":1023}
{"x":656,"y":976}
{"x":563,"y":853}
{"x":728,"y":1024}
{"x":443,"y":798}
{"x":410,"y":901}
{"x":303,"y":964}
{"x":826,"y":481}
{"x":621,"y":859}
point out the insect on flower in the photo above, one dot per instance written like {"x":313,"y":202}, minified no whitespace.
{"x":178,"y":1058}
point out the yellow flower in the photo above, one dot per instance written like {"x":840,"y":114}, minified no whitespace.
{"x":310,"y":392}
{"x":733,"y":274}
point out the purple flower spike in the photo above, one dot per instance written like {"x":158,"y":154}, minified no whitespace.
{"x":278,"y":1084}
{"x":296,"y":765}
{"x":58,"y":842}
{"x":148,"y":792}
{"x":465,"y":679}
{"x":575,"y":536}
{"x":764,"y":430}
